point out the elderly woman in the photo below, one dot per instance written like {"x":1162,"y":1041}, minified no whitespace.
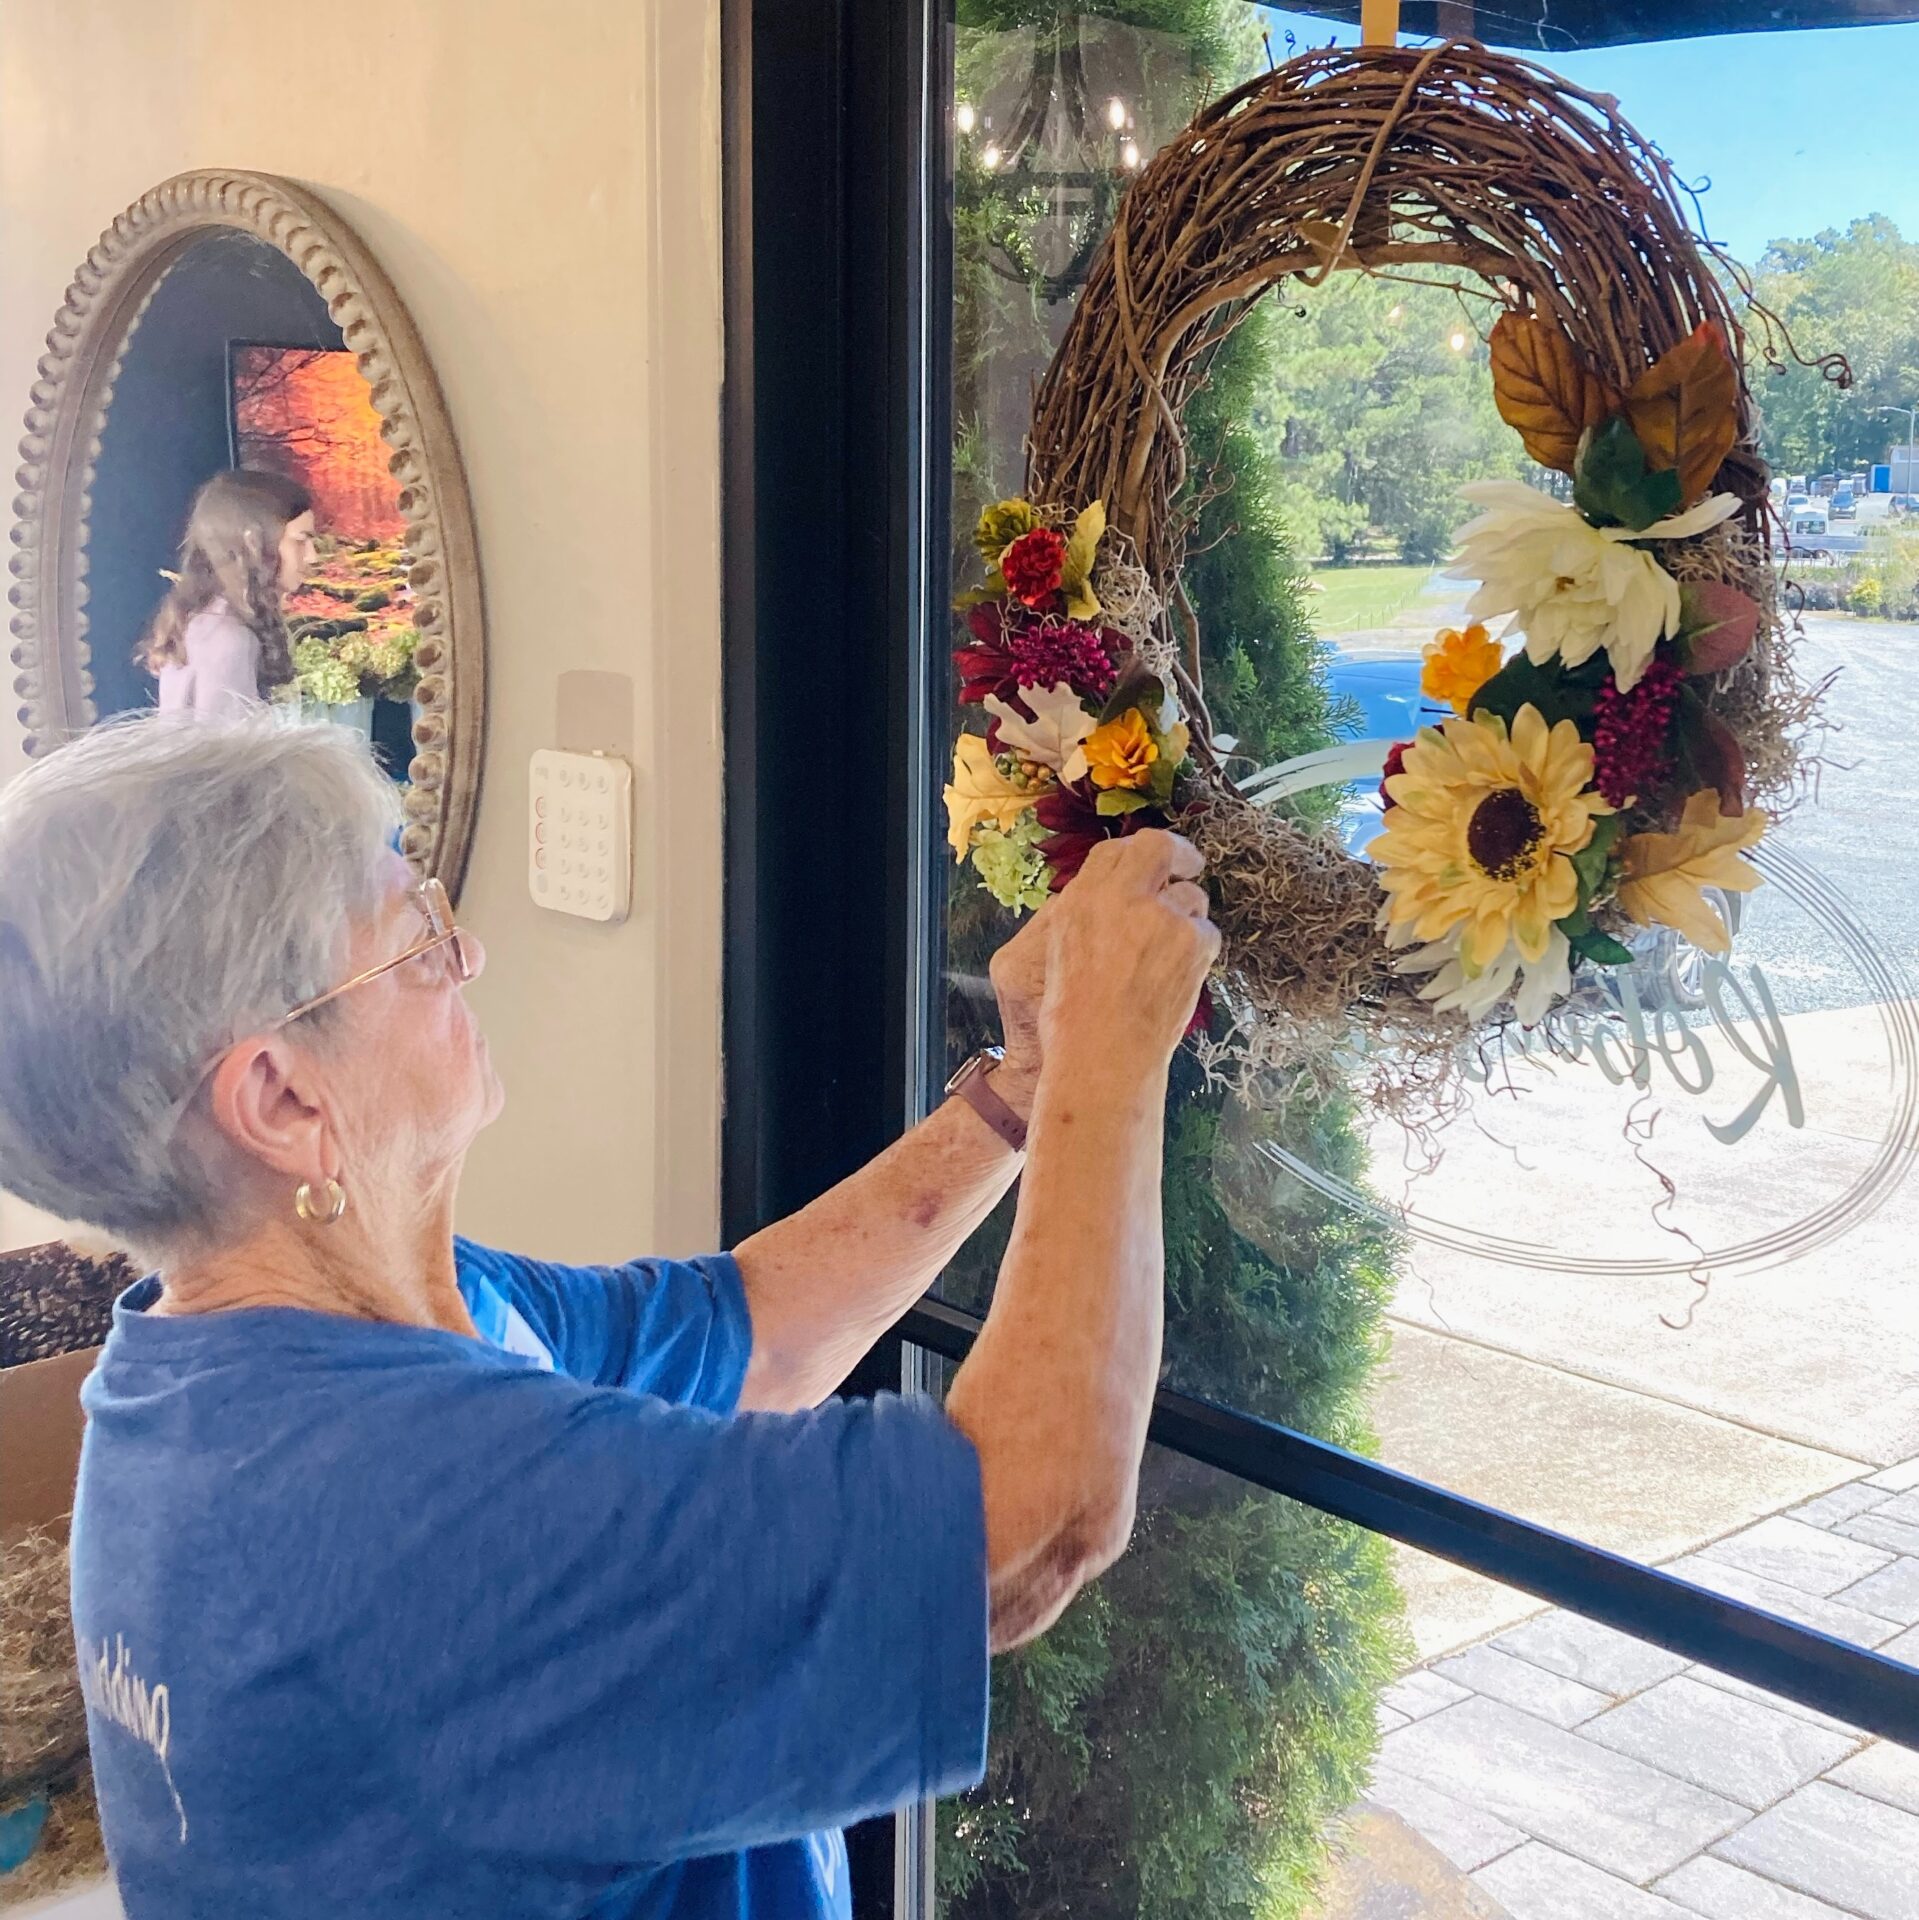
{"x":411,"y":1578}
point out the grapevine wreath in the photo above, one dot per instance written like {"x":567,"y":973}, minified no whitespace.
{"x":1602,"y":766}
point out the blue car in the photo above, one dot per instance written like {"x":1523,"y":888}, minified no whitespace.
{"x":1385,"y":688}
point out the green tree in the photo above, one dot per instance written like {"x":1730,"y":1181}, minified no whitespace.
{"x":1179,"y":1743}
{"x":1377,"y":408}
{"x":1855,"y":293}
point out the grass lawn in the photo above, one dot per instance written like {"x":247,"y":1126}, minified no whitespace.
{"x":1349,"y":599}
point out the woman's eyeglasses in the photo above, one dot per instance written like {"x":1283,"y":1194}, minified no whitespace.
{"x":441,"y":935}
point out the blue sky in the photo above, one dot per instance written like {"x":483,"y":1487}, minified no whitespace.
{"x":1796,"y":131}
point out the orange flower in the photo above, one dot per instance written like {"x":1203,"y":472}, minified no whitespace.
{"x":1459,"y":664}
{"x":1122,"y":752}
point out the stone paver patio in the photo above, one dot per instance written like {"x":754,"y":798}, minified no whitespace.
{"x":1574,"y":1773}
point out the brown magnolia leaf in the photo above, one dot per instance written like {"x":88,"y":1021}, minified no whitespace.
{"x":1684,"y":409}
{"x":1545,"y":391}
{"x":1718,"y":755}
{"x":1718,"y":625}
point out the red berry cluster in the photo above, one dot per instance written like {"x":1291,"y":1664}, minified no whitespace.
{"x":1630,"y":750}
{"x":1065,"y":652}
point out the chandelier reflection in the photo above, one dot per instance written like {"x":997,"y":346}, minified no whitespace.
{"x":1047,"y":175}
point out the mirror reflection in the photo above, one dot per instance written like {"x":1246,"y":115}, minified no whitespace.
{"x":246,"y":540}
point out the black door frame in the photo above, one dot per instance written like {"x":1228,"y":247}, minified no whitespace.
{"x":831,"y":934}
{"x":829,"y":366}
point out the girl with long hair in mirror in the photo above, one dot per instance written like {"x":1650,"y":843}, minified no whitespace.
{"x":219,"y":640}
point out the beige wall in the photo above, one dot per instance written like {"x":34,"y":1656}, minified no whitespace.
{"x":541,"y":182}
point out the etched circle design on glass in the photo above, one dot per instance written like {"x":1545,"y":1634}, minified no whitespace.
{"x":1706,"y":1117}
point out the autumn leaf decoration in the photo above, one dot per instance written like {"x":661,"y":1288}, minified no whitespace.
{"x":1545,"y":391}
{"x":1684,"y":410}
{"x":1666,"y":874}
{"x":980,"y":794}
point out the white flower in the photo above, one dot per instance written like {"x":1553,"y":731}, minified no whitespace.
{"x":1571,"y":587}
{"x":1051,"y":740}
{"x":1455,"y":988}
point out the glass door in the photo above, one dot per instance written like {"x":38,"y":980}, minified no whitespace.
{"x":1647,"y":1296}
{"x":1475,"y":1516}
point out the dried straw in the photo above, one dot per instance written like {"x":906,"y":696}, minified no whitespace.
{"x":43,"y":1722}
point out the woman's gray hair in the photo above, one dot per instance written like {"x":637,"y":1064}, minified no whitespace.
{"x":167,"y":885}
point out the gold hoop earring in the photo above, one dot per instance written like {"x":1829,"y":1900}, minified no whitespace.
{"x":303,"y":1204}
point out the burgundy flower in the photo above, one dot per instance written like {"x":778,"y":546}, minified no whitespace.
{"x":1049,"y":653}
{"x":987,"y":665}
{"x":1395,"y":763}
{"x":1630,"y":751}
{"x":1034,"y":564}
{"x":1202,"y":1020}
{"x":1075,"y":826}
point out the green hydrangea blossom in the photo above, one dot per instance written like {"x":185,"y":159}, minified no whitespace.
{"x":310,"y":655}
{"x":331,"y":681}
{"x":1010,"y":864}
{"x":353,"y":666}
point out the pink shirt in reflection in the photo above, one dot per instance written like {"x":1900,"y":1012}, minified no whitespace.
{"x":222,"y":670}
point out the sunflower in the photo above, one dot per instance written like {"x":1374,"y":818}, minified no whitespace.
{"x":1480,"y":834}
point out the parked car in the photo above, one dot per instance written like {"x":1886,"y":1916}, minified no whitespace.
{"x":1807,"y":520}
{"x":1844,"y":505}
{"x":1385,"y":689}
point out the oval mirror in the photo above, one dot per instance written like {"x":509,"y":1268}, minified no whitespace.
{"x":233,"y":321}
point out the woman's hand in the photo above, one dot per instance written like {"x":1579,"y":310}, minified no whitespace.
{"x":1018,"y":972}
{"x":1129,"y":947}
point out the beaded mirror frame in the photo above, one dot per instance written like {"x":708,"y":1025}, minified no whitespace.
{"x":66,"y":418}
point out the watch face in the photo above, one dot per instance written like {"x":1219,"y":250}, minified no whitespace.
{"x":981,"y":1062}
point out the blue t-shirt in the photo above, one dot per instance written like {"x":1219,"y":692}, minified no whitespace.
{"x":387,"y":1621}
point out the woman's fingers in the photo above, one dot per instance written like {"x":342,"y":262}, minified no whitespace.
{"x":1190,"y":899}
{"x":1186,"y":860}
{"x":1152,"y":858}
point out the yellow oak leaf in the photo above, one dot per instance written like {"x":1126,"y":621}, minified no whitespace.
{"x":980,"y":792}
{"x":1076,"y":578}
{"x":1544,"y":390}
{"x":1666,"y":874}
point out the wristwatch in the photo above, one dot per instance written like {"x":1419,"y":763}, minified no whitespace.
{"x":973,"y":1084}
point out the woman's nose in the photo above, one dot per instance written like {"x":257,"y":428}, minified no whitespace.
{"x":475,"y":950}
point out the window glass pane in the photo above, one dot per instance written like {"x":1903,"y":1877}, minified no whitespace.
{"x":1514,"y":1305}
{"x":1231,"y":1717}
{"x":1564,"y":1768}
{"x":1180,"y":1741}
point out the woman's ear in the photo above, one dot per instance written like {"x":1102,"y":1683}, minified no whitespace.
{"x":268,"y":1099}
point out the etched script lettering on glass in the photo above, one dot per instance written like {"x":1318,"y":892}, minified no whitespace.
{"x":1733,"y":1122}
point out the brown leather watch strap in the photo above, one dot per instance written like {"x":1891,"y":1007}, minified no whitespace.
{"x":973,"y":1084}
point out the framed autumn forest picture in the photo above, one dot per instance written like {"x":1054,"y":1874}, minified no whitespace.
{"x":307,"y":413}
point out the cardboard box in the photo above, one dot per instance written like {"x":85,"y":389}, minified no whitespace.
{"x":40,"y":1428}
